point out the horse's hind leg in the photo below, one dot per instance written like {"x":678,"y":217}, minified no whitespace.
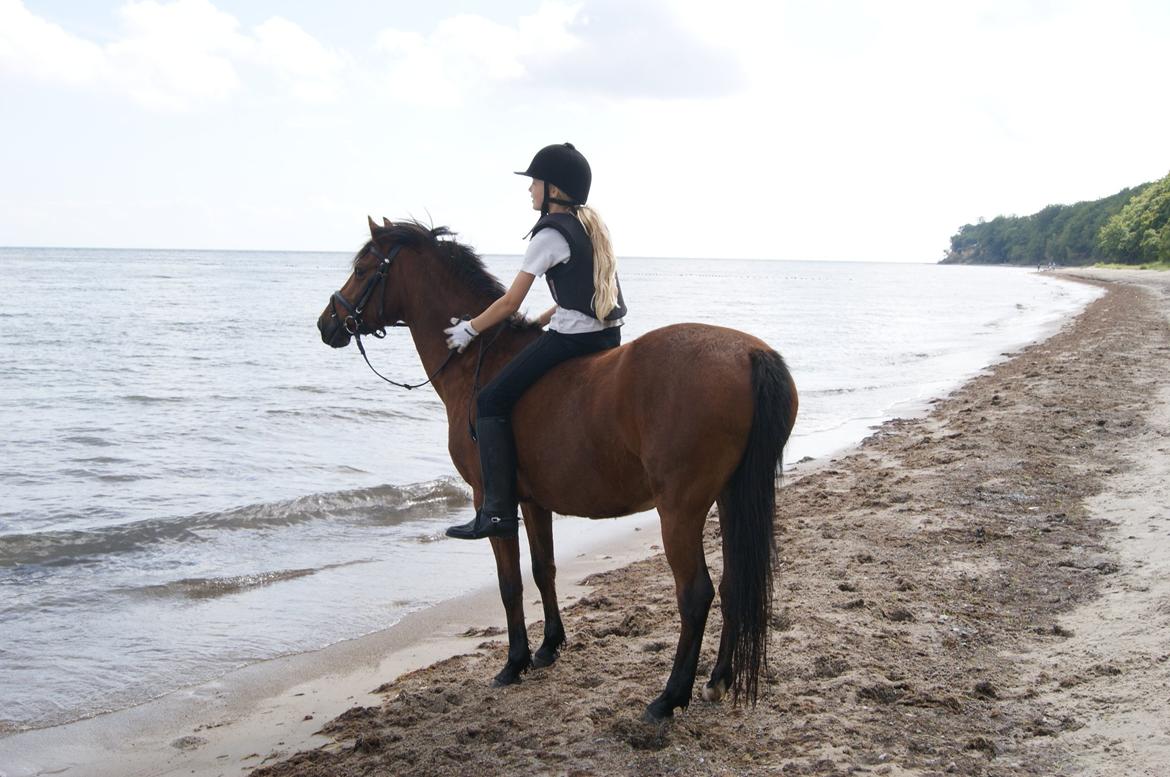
{"x":538,"y":523}
{"x":721,"y":675}
{"x":682,"y":539}
{"x":507,"y":552}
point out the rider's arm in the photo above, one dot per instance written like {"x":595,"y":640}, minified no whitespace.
{"x":547,"y":315}
{"x":506,"y":305}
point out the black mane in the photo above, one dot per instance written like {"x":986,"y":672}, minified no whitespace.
{"x":462,"y":260}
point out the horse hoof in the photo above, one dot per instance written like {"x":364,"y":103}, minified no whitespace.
{"x":714,"y":692}
{"x":504,"y":679}
{"x":542,"y":659}
{"x":655,"y":714}
{"x":510,"y":674}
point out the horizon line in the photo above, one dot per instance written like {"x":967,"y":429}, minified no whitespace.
{"x":483,"y":254}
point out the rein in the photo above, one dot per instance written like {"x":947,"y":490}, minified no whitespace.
{"x":353,"y":324}
{"x":407,"y":386}
{"x":475,"y":381}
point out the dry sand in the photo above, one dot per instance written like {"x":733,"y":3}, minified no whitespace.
{"x":981,"y":591}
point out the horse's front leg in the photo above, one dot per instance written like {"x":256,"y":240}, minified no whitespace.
{"x":538,"y":523}
{"x":507,"y":552}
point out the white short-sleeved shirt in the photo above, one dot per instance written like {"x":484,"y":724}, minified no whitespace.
{"x":547,"y":249}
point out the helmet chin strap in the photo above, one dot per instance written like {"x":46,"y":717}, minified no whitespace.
{"x":544,"y":203}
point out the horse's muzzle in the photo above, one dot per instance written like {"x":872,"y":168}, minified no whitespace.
{"x":333,"y":332}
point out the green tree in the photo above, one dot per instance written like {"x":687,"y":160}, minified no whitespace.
{"x":1140,"y":231}
{"x":1062,"y":234}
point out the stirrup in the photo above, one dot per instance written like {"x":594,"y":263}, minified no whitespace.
{"x":483,"y":526}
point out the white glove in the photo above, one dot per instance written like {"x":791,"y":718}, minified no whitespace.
{"x":460,"y":335}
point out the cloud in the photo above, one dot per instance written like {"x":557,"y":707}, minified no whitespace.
{"x":175,"y":56}
{"x":467,"y":53}
{"x":639,"y":50}
{"x":597,"y":48}
{"x":31,"y":46}
{"x":310,"y":71}
{"x":183,"y":55}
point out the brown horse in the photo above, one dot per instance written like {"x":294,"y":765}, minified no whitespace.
{"x":679,"y":419}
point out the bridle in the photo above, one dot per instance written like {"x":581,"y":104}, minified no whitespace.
{"x":353,"y":320}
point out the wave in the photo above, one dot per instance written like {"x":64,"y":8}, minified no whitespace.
{"x":214,"y":587}
{"x":88,"y":439}
{"x":146,"y":399}
{"x":379,"y":505}
{"x":99,"y":460}
{"x":352,"y":413}
{"x":835,"y":392}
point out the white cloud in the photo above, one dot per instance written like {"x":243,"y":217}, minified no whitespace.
{"x":174,"y":56}
{"x":31,"y":46}
{"x":178,"y":55}
{"x":311,"y":71}
{"x":182,"y":55}
{"x":639,"y":50}
{"x":600,"y":47}
{"x":464,"y":54}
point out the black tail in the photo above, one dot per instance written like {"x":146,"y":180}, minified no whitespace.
{"x":747,"y":516}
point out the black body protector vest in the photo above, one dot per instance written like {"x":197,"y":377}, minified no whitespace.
{"x":571,"y":282}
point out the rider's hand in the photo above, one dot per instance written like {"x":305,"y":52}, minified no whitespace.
{"x":460,"y":335}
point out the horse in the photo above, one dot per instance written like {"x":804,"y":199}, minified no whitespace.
{"x":680,"y":419}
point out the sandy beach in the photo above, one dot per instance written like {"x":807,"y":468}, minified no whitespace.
{"x":979,"y":591}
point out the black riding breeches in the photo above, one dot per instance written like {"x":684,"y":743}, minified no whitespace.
{"x":550,"y":349}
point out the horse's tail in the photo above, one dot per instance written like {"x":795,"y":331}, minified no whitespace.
{"x":747,"y":516}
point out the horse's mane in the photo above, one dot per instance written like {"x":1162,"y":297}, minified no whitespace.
{"x":462,"y":260}
{"x":464,"y":263}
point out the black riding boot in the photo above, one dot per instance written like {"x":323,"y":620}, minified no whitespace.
{"x":497,"y":461}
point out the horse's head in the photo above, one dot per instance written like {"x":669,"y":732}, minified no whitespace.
{"x":366,"y":303}
{"x":407,"y":273}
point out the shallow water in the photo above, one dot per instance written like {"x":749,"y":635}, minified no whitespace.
{"x":191,"y":481}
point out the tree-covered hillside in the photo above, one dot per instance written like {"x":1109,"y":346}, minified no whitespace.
{"x":1131,"y":227}
{"x":1140,"y":232}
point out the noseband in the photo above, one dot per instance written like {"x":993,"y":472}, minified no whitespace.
{"x":353,"y":320}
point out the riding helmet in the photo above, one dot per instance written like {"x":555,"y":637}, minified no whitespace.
{"x":563,"y":166}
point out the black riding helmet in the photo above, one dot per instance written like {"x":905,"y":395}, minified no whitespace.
{"x":566,"y":168}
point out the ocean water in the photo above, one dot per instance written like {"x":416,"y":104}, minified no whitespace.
{"x":190,"y":481}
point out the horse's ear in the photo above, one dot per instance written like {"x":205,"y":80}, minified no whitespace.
{"x":386,"y":222}
{"x":373,"y":226}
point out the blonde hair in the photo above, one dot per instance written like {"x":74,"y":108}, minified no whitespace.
{"x":605,"y":287}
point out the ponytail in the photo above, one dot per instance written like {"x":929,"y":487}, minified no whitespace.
{"x":605,"y":288}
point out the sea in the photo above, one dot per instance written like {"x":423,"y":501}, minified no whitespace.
{"x":191,"y":482}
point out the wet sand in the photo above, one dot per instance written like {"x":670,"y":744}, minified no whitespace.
{"x":979,"y":591}
{"x":270,"y":710}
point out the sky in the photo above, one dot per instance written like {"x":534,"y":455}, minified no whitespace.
{"x":839,"y":130}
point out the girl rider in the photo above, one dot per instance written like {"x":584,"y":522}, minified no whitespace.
{"x":570,"y":247}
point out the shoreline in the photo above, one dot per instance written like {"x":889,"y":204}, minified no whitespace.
{"x":270,"y":709}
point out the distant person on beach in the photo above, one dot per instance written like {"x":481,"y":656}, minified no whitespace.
{"x":570,"y":247}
